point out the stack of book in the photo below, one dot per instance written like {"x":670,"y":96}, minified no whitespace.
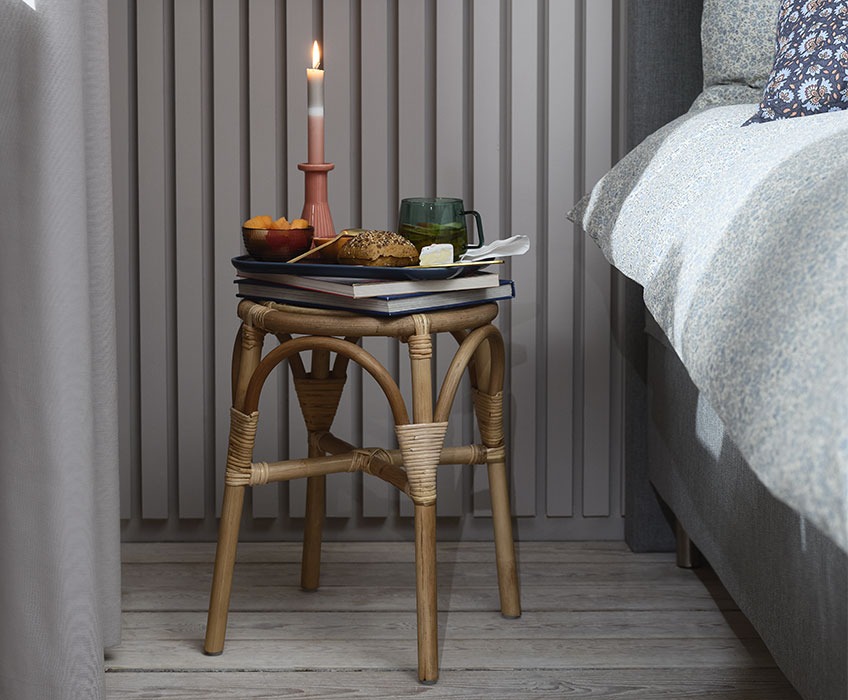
{"x":383,"y":297}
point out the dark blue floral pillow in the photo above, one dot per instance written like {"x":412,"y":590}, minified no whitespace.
{"x":810,"y":73}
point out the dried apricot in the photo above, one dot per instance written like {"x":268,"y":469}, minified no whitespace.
{"x":263,"y":221}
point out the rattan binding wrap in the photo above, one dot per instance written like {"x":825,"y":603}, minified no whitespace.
{"x":363,"y":459}
{"x":260,"y":473}
{"x":256,"y":314}
{"x":421,"y":447}
{"x":240,"y":449}
{"x":319,"y":399}
{"x":420,"y":345}
{"x":251,"y":337}
{"x":489,"y":410}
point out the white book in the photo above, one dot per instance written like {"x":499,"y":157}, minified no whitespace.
{"x":360,"y":287}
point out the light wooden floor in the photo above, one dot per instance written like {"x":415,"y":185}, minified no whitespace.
{"x":598,"y":622}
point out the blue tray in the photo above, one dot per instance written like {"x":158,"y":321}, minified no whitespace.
{"x":247,"y":264}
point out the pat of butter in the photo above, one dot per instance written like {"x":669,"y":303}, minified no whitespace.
{"x":436,"y":254}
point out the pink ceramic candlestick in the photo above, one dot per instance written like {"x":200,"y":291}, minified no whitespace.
{"x":316,"y":208}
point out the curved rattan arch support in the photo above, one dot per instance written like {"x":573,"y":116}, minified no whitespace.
{"x":236,"y":363}
{"x":342,"y":347}
{"x":459,"y":363}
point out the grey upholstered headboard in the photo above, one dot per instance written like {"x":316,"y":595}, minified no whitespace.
{"x":664,"y":77}
{"x":664,"y":63}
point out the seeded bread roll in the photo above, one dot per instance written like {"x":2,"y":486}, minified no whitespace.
{"x":380,"y":248}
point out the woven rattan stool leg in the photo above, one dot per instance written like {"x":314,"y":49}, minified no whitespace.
{"x":426,"y":593}
{"x":246,"y":356}
{"x":504,"y":547}
{"x":488,"y":405}
{"x":318,"y":402}
{"x":310,"y":566}
{"x":222,"y":577}
{"x":420,"y":444}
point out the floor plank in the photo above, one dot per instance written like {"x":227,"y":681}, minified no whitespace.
{"x":598,"y":622}
{"x":609,"y":596}
{"x":362,"y":552}
{"x":321,"y":654}
{"x":402,"y":575}
{"x":554,"y":624}
{"x":612,"y":684}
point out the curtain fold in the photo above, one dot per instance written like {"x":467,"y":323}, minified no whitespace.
{"x":59,"y":527}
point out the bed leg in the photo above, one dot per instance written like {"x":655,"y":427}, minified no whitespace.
{"x":688,"y":556}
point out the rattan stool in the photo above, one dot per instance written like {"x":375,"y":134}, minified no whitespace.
{"x":412,"y":468}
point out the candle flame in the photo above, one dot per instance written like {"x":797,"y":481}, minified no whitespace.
{"x":316,"y":55}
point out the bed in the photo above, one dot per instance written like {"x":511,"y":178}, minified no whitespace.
{"x":734,"y":245}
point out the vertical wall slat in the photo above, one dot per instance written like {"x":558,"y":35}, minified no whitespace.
{"x":336,"y":47}
{"x":227,"y":212}
{"x":262,"y":92}
{"x":486,"y":137}
{"x":449,"y":172}
{"x":559,"y":306}
{"x":125,"y":276}
{"x":597,"y":289}
{"x":619,"y":362}
{"x":376,"y":417}
{"x":413,"y":141}
{"x":188,"y":106}
{"x":153,"y":259}
{"x":524,"y":170}
{"x":299,"y":38}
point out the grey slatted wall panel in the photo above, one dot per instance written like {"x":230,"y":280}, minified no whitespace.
{"x":264,"y":156}
{"x":619,"y":281}
{"x":560,"y":145}
{"x":229,"y":195}
{"x":414,"y":145}
{"x":155,"y":258}
{"x":337,"y":49}
{"x":487,"y":172}
{"x":449,"y":108}
{"x":597,"y":277}
{"x":298,"y":56}
{"x":377,"y":498}
{"x":487,"y":100}
{"x":523,"y":214}
{"x":121,"y":79}
{"x":191,"y":395}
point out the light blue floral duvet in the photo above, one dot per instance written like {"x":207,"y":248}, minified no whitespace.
{"x":739,"y":237}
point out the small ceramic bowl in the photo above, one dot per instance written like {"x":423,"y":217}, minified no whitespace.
{"x":277,"y":245}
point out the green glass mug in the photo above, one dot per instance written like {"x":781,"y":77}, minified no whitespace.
{"x":427,"y":220}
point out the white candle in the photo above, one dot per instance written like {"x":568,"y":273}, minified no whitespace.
{"x":315,"y":108}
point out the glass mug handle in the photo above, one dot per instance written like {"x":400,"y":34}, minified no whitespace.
{"x":479,"y":227}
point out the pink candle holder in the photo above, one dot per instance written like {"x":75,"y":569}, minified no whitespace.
{"x":316,"y":208}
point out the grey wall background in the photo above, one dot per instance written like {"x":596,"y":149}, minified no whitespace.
{"x":511,"y":104}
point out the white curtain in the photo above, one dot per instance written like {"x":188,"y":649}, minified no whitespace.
{"x":59,"y":528}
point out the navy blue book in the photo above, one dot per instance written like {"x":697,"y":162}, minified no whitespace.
{"x":392,"y":305}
